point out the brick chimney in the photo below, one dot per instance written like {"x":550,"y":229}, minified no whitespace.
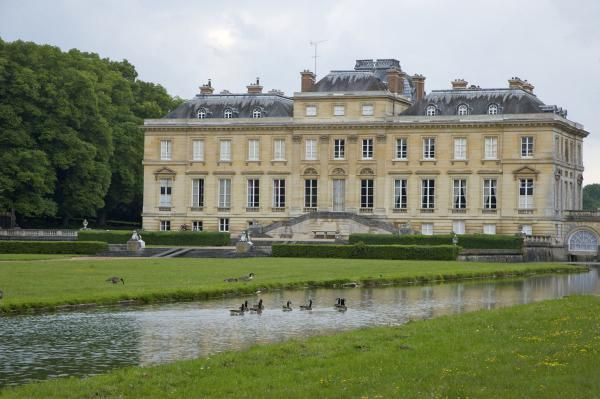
{"x":515,"y":83}
{"x":395,"y":81}
{"x":419,"y":82}
{"x":207,"y":88}
{"x":458,"y":84}
{"x":255,"y":88}
{"x":527,"y":86}
{"x":308,"y":80}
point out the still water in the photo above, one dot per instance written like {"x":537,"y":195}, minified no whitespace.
{"x":37,"y":347}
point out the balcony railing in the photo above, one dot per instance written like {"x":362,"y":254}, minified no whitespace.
{"x":365,"y":210}
{"x":582,"y":214}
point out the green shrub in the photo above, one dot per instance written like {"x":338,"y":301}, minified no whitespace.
{"x":363,"y":251}
{"x":193,"y":238}
{"x":469,"y":241}
{"x":52,"y":247}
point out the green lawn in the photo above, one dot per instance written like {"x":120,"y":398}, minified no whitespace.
{"x":545,"y":350}
{"x":11,"y":257}
{"x":71,"y":281}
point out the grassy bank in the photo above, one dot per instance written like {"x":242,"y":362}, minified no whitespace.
{"x":544,"y":350}
{"x":49,"y":283}
{"x":13,"y":257}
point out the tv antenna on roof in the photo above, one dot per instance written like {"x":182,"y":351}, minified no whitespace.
{"x":316,"y":44}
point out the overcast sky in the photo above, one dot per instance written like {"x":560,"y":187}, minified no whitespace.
{"x":555,"y":44}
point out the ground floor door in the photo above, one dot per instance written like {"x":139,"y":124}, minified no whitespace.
{"x":339,"y":195}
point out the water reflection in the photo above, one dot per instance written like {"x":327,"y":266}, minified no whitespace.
{"x":95,"y":341}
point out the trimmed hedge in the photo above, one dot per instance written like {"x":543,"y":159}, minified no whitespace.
{"x":363,"y":251}
{"x":52,"y":247}
{"x":194,"y":238}
{"x":467,"y":241}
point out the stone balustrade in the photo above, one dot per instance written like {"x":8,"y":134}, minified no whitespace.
{"x":38,"y":234}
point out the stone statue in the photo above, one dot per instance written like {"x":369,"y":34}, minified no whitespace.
{"x":135,"y":236}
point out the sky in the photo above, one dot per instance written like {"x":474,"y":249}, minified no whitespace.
{"x":554,"y":44}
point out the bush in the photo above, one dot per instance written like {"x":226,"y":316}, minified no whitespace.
{"x":52,"y":247}
{"x":468,"y":241}
{"x":363,"y":251}
{"x":194,"y":238}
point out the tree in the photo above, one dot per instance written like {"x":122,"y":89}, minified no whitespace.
{"x":591,"y":197}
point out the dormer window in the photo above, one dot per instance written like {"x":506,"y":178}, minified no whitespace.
{"x":257,"y":113}
{"x":431,"y":110}
{"x":202,"y":113}
{"x":463,"y":109}
{"x":228,"y":113}
{"x":493,"y":109}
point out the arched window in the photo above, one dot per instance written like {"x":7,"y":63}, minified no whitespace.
{"x":228,"y":113}
{"x":583,"y":241}
{"x":493,"y":109}
{"x":463,"y":109}
{"x":431,"y":110}
{"x":202,"y":113}
{"x":257,"y":113}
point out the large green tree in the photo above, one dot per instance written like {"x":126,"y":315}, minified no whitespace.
{"x":591,"y":196}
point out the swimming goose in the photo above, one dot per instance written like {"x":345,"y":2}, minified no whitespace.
{"x":287,"y":307}
{"x":307,"y":307}
{"x":341,"y":304}
{"x":115,"y":280}
{"x":237,"y":312}
{"x":258,"y":307}
{"x":245,"y":306}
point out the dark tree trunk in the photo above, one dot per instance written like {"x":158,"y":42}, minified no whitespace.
{"x":101,"y":219}
{"x":13,"y":217}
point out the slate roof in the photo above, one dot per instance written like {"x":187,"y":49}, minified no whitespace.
{"x":242,"y":105}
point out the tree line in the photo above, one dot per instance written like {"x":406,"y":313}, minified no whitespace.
{"x":70,"y":138}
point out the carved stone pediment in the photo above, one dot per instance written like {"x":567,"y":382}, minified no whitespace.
{"x":526,"y":171}
{"x":338,"y":172}
{"x":164,"y":172}
{"x":366,"y":172}
{"x":310,"y":172}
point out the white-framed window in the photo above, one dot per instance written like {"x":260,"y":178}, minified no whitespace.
{"x":339,"y":110}
{"x":224,"y":193}
{"x":253,"y":150}
{"x":490,"y":148}
{"x":253,"y":193}
{"x":402,"y":148}
{"x":427,"y":229}
{"x":197,"y":225}
{"x":525,"y":193}
{"x":431,"y":110}
{"x":339,"y":148}
{"x":458,"y":226}
{"x":223,"y":225}
{"x":428,"y":193}
{"x":459,"y":194}
{"x":490,"y":193}
{"x":197,"y":193}
{"x":228,"y":113}
{"x":310,"y":193}
{"x":257,"y":113}
{"x":527,"y":229}
{"x":278,"y":193}
{"x":202,"y":113}
{"x":165,"y":225}
{"x":429,"y":148}
{"x":367,"y":149}
{"x":311,"y":150}
{"x":463,"y":109}
{"x":366,"y":193}
{"x":279,"y":150}
{"x":225,"y":150}
{"x":165,"y":192}
{"x":165,"y":150}
{"x":527,"y":147}
{"x":489,"y":228}
{"x":198,"y":150}
{"x":400,"y":194}
{"x":460,"y":148}
{"x":493,"y":109}
{"x":310,"y":110}
{"x":367,"y":110}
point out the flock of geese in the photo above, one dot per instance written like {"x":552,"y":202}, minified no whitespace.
{"x":340,"y":305}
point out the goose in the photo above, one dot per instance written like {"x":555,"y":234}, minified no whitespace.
{"x":245,"y":306}
{"x":341,"y":304}
{"x":115,"y":280}
{"x":287,"y":307}
{"x":247,"y":278}
{"x":237,"y":312}
{"x":231,"y":280}
{"x":258,"y":307}
{"x":307,"y":307}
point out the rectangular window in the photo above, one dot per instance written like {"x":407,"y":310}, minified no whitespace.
{"x":278,"y":193}
{"x":401,"y":148}
{"x":165,"y":192}
{"x":525,"y":193}
{"x":311,"y":110}
{"x":223,"y":225}
{"x":491,"y":148}
{"x":339,"y":149}
{"x":460,"y":148}
{"x":458,"y":227}
{"x":489,"y":228}
{"x":367,"y":110}
{"x":279,"y":150}
{"x":339,"y":110}
{"x":197,"y":225}
{"x":489,"y":193}
{"x":400,"y":194}
{"x":197,"y":193}
{"x":165,"y":225}
{"x":224,"y":193}
{"x":367,"y":149}
{"x":527,"y":230}
{"x":429,"y":148}
{"x":428,"y":193}
{"x":427,"y":229}
{"x":253,"y":193}
{"x":459,"y":195}
{"x":198,"y":150}
{"x":225,"y":151}
{"x":526,"y":146}
{"x":366,"y":193}
{"x":311,"y":150}
{"x":310,"y":193}
{"x":253,"y":150}
{"x":165,"y":150}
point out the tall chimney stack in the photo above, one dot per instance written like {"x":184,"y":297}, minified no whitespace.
{"x":308,"y":80}
{"x":255,"y":88}
{"x":395,"y":81}
{"x":419,"y":81}
{"x":515,"y":83}
{"x":527,"y":86}
{"x":458,"y":84}
{"x":207,"y":88}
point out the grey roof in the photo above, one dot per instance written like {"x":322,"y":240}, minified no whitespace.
{"x":509,"y":101}
{"x":242,"y":105}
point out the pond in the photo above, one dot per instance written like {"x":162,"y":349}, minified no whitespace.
{"x":37,"y":347}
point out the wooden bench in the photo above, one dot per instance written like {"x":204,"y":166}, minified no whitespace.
{"x":324,"y":233}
